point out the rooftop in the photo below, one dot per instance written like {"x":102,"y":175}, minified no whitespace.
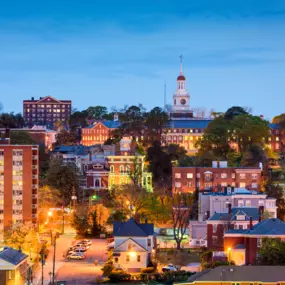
{"x":243,"y":211}
{"x":12,"y":255}
{"x":132,"y":229}
{"x":268,"y":227}
{"x":240,"y":274}
{"x":235,"y":191}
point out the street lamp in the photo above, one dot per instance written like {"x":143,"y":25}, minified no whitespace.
{"x":49,"y":213}
{"x":229,"y":254}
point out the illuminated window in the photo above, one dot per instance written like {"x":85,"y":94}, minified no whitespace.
{"x":224,"y":175}
{"x":112,"y":168}
{"x":121,"y":169}
{"x":190,"y":175}
{"x":177,"y":175}
{"x":127,"y":258}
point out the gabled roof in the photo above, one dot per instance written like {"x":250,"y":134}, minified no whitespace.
{"x":75,"y":149}
{"x":241,"y":274}
{"x":246,"y":211}
{"x":268,"y":227}
{"x":116,"y":249}
{"x":132,"y":229}
{"x":274,"y":126}
{"x":12,"y":255}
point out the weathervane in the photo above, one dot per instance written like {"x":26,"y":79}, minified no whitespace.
{"x":181,"y":58}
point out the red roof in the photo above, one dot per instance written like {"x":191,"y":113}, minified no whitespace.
{"x":181,"y":77}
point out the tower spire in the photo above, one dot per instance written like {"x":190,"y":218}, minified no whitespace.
{"x":181,"y":69}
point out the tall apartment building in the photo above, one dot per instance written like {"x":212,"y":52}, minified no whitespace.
{"x":187,"y":179}
{"x":46,"y":111}
{"x":18,"y":183}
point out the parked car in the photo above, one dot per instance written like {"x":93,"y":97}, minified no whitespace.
{"x":192,"y":267}
{"x":77,"y":256}
{"x":83,"y":244}
{"x":80,"y":248}
{"x":87,"y":241}
{"x":169,"y":267}
{"x":76,"y":251}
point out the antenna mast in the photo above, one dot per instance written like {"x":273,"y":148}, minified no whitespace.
{"x":164,"y":95}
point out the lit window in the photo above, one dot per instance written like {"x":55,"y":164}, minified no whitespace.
{"x":177,"y":184}
{"x":242,"y":185}
{"x":254,"y":185}
{"x":127,"y":258}
{"x":224,"y":175}
{"x":177,"y":175}
{"x":242,"y":176}
{"x":190,"y":175}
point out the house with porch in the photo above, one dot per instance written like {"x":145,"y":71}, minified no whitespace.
{"x":133,"y":245}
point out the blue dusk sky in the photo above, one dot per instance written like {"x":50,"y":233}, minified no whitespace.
{"x":120,"y":52}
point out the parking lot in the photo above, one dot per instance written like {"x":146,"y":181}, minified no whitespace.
{"x":84,"y":271}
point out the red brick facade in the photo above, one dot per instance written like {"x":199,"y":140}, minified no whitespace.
{"x":187,"y":179}
{"x":98,"y":134}
{"x":18,"y":184}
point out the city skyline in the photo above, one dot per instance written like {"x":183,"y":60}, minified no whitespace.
{"x":122,"y":54}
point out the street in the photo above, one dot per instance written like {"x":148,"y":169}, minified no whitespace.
{"x":74,"y":271}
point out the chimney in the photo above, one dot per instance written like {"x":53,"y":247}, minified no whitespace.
{"x":250,"y":223}
{"x":229,"y":208}
{"x":33,"y":98}
{"x":116,"y":117}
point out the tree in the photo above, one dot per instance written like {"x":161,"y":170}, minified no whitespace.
{"x":21,"y":138}
{"x":253,"y":156}
{"x":63,"y":177}
{"x":156,"y":120}
{"x":187,"y":161}
{"x":102,"y":214}
{"x":181,"y":211}
{"x":65,"y":138}
{"x":275,"y":191}
{"x":48,"y":197}
{"x":24,"y":237}
{"x":11,"y":120}
{"x":234,"y":111}
{"x":176,"y":152}
{"x":272,"y":252}
{"x":159,"y":164}
{"x":97,"y":112}
{"x":80,"y":223}
{"x":78,"y":119}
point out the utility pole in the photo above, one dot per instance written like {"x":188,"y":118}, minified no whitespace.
{"x":42,"y":263}
{"x":164,"y":96}
{"x":53,"y":265}
{"x":62,"y":219}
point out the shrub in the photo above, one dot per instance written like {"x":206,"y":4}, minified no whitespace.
{"x":119,"y":277}
{"x":148,"y":270}
{"x":107,"y":269}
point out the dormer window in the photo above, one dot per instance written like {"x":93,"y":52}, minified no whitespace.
{"x":240,"y":217}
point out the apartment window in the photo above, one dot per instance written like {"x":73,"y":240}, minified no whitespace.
{"x":215,"y":239}
{"x":116,"y":259}
{"x":121,"y":169}
{"x":240,"y":203}
{"x":189,"y":184}
{"x":277,"y":139}
{"x":127,"y":258}
{"x":177,"y":184}
{"x":190,"y":175}
{"x":242,"y":176}
{"x":242,"y":185}
{"x":149,"y":242}
{"x":247,"y":203}
{"x":138,"y":258}
{"x":254,"y":175}
{"x":224,"y":175}
{"x":260,"y":203}
{"x":1,"y":152}
{"x":177,"y":175}
{"x":214,"y":228}
{"x":198,"y":175}
{"x":254,"y":185}
{"x":224,"y":184}
{"x":17,"y":163}
{"x":1,"y":162}
{"x":9,"y":274}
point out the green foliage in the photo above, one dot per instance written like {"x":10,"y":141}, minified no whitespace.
{"x":275,"y":191}
{"x":176,"y":152}
{"x":78,"y":119}
{"x":21,"y":137}
{"x":234,"y":111}
{"x":11,"y":120}
{"x":272,"y":252}
{"x":119,"y":277}
{"x":80,"y":223}
{"x":97,"y":112}
{"x":188,"y":161}
{"x":107,"y":269}
{"x":65,"y":138}
{"x":159,"y":164}
{"x":63,"y":177}
{"x":94,"y":226}
{"x":118,"y":216}
{"x":253,"y":156}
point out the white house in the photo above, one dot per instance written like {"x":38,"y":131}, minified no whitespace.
{"x":133,"y":245}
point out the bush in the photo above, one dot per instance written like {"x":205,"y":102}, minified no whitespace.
{"x":119,"y":277}
{"x":107,"y":269}
{"x":148,"y":270}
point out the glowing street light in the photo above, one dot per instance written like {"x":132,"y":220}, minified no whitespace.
{"x":133,"y":254}
{"x":49,"y":213}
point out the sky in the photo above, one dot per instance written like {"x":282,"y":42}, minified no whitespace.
{"x":116,"y":53}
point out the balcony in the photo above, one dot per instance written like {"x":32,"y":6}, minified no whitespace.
{"x":17,"y":187}
{"x":17,"y":207}
{"x":17,"y":157}
{"x":1,"y":177}
{"x":35,"y":176}
{"x":35,"y":186}
{"x":35,"y":157}
{"x":34,"y":206}
{"x":17,"y":217}
{"x":34,"y":196}
{"x":17,"y":197}
{"x":1,"y":167}
{"x":34,"y":167}
{"x":34,"y":216}
{"x":17,"y":167}
{"x":18,"y":177}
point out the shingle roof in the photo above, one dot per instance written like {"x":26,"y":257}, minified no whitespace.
{"x":132,"y":228}
{"x":76,"y":149}
{"x":242,"y":273}
{"x":108,"y":123}
{"x":247,"y":211}
{"x":274,"y":126}
{"x":266,"y":227}
{"x":12,"y":255}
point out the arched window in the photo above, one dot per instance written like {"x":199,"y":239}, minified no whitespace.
{"x":112,"y":168}
{"x":128,"y":169}
{"x":121,"y":169}
{"x":97,"y":182}
{"x":144,"y":181}
{"x":112,"y":181}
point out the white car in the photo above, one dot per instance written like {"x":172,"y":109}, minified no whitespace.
{"x":77,"y":256}
{"x":82,"y":245}
{"x":169,"y":267}
{"x":87,"y":241}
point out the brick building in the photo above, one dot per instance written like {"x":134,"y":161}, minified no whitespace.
{"x":242,"y":245}
{"x":18,"y":184}
{"x":99,"y":132}
{"x":46,"y":111}
{"x":187,"y":179}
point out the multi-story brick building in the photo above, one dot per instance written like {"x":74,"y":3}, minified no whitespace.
{"x":18,"y":184}
{"x":99,"y":132}
{"x":46,"y":111}
{"x":187,"y":179}
{"x":242,"y":245}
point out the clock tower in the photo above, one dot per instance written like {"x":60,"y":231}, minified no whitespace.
{"x":181,"y":97}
